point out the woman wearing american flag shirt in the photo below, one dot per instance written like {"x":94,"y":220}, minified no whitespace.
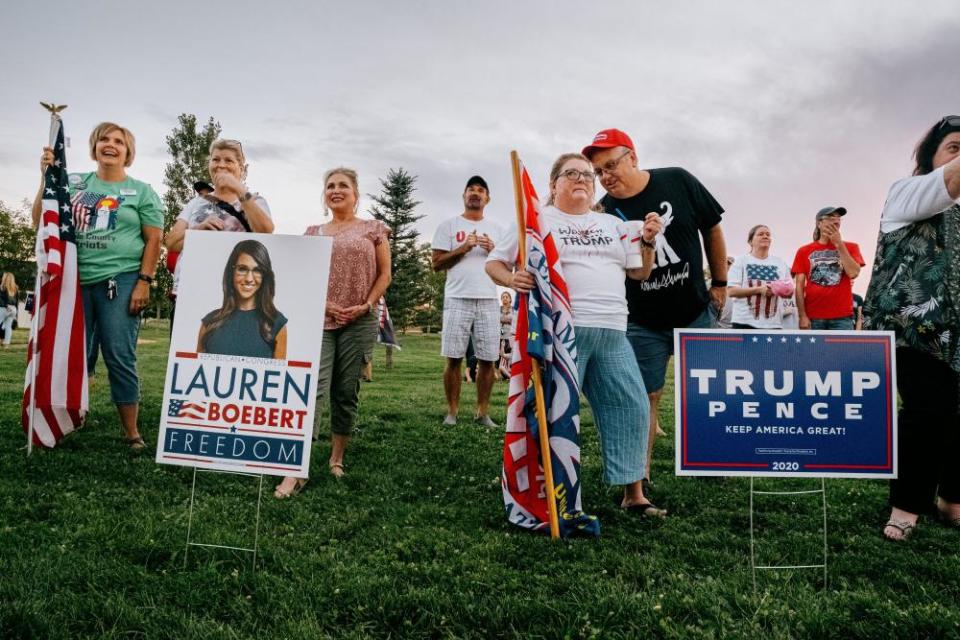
{"x":750,"y":283}
{"x":119,"y":221}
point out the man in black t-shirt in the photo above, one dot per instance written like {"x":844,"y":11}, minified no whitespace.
{"x":675,"y":295}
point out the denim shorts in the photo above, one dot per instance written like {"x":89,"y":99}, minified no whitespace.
{"x":653,"y":347}
{"x":110,"y":325}
{"x":836,"y":324}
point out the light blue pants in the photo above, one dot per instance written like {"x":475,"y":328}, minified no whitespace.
{"x":610,"y":379}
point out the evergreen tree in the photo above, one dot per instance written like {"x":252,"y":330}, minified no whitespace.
{"x":395,"y":208}
{"x":429,"y":315}
{"x":189,"y":148}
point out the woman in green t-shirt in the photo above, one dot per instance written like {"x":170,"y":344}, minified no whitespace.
{"x":119,"y":221}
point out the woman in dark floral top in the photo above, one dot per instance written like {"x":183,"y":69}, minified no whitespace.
{"x":915,"y":292}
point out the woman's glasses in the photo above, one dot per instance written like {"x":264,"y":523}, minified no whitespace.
{"x":575,"y":175}
{"x":243,"y":271}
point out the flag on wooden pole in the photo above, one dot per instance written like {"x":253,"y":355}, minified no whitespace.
{"x":543,"y":405}
{"x":55,"y":389}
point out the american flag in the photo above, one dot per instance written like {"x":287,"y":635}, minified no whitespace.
{"x":55,"y":393}
{"x":543,"y":332}
{"x":385,"y":333}
{"x":758,"y":275}
{"x":187,"y":409}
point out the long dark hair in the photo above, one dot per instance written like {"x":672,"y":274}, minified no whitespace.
{"x":927,"y":147}
{"x":264,"y":297}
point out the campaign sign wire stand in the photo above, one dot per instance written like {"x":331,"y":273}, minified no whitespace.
{"x":754,"y":567}
{"x":256,"y":530}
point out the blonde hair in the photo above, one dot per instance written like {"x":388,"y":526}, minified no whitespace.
{"x":106,"y":127}
{"x":351,"y":177}
{"x":226,"y":144}
{"x":9,"y":283}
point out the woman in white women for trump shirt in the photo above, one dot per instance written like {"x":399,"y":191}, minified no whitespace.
{"x":594,"y":263}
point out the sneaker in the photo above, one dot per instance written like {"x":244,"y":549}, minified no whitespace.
{"x":449,"y":420}
{"x":485,"y":421}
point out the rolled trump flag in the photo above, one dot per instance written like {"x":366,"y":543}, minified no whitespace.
{"x":782,"y":288}
{"x":631,"y":236}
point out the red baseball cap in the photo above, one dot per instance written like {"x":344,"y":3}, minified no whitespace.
{"x":607,"y":139}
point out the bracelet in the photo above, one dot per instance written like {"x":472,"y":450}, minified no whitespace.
{"x":718,"y":283}
{"x":145,"y":277}
{"x":648,"y":245}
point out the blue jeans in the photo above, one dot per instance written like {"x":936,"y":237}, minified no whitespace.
{"x":610,"y":379}
{"x":110,"y":326}
{"x":653,"y":347}
{"x":845,"y":324}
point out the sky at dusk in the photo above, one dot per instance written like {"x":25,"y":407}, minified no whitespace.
{"x":779,"y":108}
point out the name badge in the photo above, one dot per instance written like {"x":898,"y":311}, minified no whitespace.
{"x":128,"y":192}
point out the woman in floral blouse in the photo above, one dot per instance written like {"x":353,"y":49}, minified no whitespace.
{"x":359,"y":275}
{"x":915,"y":292}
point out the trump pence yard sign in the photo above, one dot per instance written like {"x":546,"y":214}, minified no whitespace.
{"x":785,"y":403}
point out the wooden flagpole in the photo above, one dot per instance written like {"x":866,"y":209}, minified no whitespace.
{"x":545,"y":455}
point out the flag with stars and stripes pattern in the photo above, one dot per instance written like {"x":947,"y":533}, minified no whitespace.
{"x":55,"y":389}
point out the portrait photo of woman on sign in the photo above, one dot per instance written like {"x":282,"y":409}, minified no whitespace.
{"x":247,"y":323}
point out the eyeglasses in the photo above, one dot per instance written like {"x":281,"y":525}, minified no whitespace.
{"x":575,"y":175}
{"x":949,"y":121}
{"x":612,"y":165}
{"x":243,"y":271}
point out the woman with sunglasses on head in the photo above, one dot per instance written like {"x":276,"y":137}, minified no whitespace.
{"x":119,"y":221}
{"x":359,"y":276}
{"x":230,"y":207}
{"x":915,"y":292}
{"x":595,"y":264}
{"x":247,"y":323}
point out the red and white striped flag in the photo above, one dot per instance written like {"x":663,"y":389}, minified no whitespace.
{"x":55,"y":389}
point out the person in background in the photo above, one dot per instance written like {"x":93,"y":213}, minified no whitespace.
{"x":594,"y":264}
{"x":751,"y":284}
{"x":119,"y":224}
{"x":915,"y":292}
{"x":460,"y":247}
{"x":857,"y":312}
{"x":676,"y":295}
{"x":359,"y":276}
{"x":229,"y":206}
{"x":9,"y":295}
{"x":824,"y":271}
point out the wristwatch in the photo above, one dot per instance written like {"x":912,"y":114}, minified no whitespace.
{"x":649,"y":245}
{"x":246,"y":196}
{"x":146,"y":278}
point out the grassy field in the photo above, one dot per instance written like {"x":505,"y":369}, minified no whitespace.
{"x":413,"y":541}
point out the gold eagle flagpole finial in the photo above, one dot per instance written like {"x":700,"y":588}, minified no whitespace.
{"x":53,"y":107}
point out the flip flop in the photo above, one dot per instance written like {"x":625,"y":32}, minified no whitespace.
{"x":905,"y":528}
{"x":646,"y":509}
{"x":136,"y":443}
{"x":945,"y":518}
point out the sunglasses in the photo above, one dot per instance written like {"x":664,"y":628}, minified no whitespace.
{"x":949,"y":121}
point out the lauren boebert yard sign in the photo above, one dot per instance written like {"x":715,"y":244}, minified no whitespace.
{"x":804,"y":403}
{"x":241,"y":381}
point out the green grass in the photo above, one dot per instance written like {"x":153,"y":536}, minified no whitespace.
{"x":414,"y":543}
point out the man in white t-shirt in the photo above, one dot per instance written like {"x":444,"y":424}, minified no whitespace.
{"x":470,"y":306}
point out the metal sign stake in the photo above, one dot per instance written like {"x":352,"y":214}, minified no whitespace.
{"x":256,"y":530}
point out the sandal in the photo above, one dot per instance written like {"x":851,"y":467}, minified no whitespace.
{"x":280,"y":494}
{"x":135,"y":443}
{"x":943,"y":515}
{"x":905,"y":528}
{"x":646,"y":509}
{"x":336,"y":470}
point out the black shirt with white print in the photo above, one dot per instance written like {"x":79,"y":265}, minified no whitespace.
{"x":675,"y":294}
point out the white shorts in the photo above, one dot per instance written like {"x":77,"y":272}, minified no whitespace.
{"x":465,"y":317}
